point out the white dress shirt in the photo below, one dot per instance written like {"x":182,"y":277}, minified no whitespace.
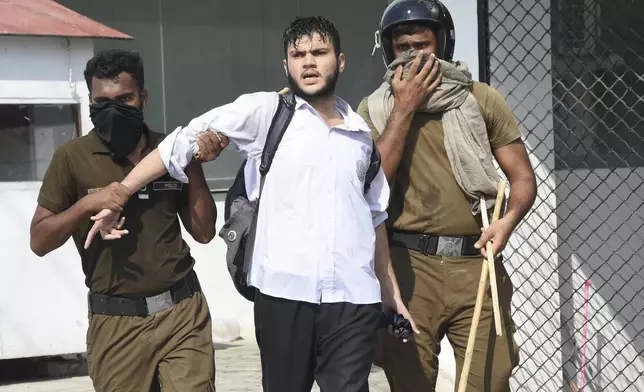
{"x":315,"y":239}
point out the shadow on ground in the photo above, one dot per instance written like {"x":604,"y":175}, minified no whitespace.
{"x":19,"y":370}
{"x":42,"y":368}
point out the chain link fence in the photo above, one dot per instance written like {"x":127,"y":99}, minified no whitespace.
{"x":573,"y":73}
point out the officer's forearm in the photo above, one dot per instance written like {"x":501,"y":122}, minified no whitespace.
{"x":200,"y":214}
{"x":50,"y":231}
{"x":149,"y":169}
{"x":523,"y":193}
{"x":391,"y":144}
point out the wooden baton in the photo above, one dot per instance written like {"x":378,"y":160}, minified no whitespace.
{"x":465,"y":372}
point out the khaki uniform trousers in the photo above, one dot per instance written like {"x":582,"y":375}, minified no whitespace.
{"x":171,"y":349}
{"x":440,"y":293}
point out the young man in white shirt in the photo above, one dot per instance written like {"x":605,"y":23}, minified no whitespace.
{"x":320,"y":288}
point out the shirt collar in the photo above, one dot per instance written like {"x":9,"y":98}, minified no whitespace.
{"x":352,"y":121}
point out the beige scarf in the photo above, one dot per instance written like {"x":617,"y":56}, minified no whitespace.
{"x":466,"y":140}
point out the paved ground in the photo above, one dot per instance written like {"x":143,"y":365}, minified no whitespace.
{"x":238,"y":370}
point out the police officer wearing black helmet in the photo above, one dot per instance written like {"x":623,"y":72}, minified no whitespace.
{"x":439,"y":133}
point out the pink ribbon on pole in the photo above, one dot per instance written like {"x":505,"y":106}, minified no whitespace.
{"x":584,"y":334}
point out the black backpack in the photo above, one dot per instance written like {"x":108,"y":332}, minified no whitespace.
{"x":241,"y":214}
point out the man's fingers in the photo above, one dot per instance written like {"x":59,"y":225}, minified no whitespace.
{"x":435,"y":83}
{"x":397,"y":75}
{"x":119,"y":226}
{"x":415,"y":64}
{"x":115,"y":234}
{"x":212,"y":144}
{"x":101,"y":215}
{"x":123,"y":194}
{"x":202,"y":148}
{"x":91,"y":234}
{"x":427,"y":67}
{"x":224,"y":141}
{"x":486,"y":236}
{"x":121,"y":190}
{"x":413,"y":325}
{"x":433,"y":78}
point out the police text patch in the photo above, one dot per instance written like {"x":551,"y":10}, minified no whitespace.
{"x":167,"y":185}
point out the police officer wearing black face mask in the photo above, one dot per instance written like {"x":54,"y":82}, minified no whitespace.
{"x":149,"y":323}
{"x":118,"y":125}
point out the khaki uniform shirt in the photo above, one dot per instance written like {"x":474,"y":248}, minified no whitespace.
{"x":153,"y":256}
{"x":425,"y":196}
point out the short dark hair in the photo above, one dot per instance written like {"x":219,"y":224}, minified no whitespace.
{"x":108,"y":64}
{"x":410,"y":28}
{"x":306,"y":27}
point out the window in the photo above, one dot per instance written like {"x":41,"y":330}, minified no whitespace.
{"x":597,"y":84}
{"x":29,"y":135}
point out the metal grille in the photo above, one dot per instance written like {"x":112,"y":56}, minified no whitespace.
{"x":573,"y":73}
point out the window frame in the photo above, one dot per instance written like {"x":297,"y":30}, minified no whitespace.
{"x":76,"y":113}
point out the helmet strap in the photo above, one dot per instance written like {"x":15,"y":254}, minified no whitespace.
{"x":376,"y":45}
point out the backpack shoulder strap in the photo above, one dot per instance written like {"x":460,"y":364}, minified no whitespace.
{"x":374,"y":167}
{"x":281,"y":120}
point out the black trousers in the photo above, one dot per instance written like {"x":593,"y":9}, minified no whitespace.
{"x":331,"y":343}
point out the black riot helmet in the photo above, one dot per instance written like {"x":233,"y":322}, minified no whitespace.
{"x":428,"y":12}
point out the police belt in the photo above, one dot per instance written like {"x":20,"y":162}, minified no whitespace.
{"x":426,"y":244}
{"x":144,"y":306}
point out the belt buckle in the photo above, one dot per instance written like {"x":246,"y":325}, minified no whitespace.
{"x":159,"y":302}
{"x":450,"y":246}
{"x":423,"y":244}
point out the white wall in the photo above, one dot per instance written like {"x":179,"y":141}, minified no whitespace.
{"x":601,"y":235}
{"x":42,"y":301}
{"x":465,"y":15}
{"x":43,"y":305}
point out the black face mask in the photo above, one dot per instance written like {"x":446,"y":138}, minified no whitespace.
{"x":119,"y":126}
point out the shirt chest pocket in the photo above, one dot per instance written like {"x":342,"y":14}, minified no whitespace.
{"x":354,"y":156}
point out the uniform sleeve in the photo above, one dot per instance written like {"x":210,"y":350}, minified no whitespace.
{"x":241,"y":121}
{"x":378,"y":198}
{"x":502,"y":127}
{"x":58,"y":190}
{"x":363,"y":111}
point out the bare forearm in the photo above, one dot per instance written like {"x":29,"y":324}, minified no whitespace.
{"x":384,"y":269}
{"x":392,"y":142}
{"x":53,"y":231}
{"x":201,"y":213}
{"x":150,"y":168}
{"x":522,"y":196}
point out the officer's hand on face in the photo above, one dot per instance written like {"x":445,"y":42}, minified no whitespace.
{"x":211,"y":144}
{"x":412,"y":92}
{"x":112,"y":197}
